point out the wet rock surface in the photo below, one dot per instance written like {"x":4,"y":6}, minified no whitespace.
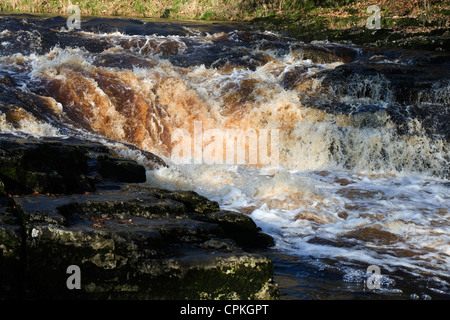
{"x":129,"y":240}
{"x":405,"y":85}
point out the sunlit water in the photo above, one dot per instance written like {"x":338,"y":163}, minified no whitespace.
{"x":361,"y":175}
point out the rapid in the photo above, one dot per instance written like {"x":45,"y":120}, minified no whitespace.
{"x":356,"y":138}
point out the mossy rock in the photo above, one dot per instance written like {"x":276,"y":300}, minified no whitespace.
{"x":125,"y":253}
{"x":63,"y":167}
{"x":121,"y":169}
{"x":192,"y":200}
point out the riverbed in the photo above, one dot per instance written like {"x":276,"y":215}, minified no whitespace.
{"x":339,"y":152}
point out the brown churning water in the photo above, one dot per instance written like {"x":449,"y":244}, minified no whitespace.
{"x":342,"y":153}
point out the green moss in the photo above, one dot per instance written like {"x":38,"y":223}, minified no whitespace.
{"x":237,"y":278}
{"x":407,"y":22}
{"x":387,"y":23}
{"x":9,"y":171}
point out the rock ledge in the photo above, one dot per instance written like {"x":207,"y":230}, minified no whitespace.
{"x":59,"y":208}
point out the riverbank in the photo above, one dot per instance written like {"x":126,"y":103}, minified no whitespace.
{"x":415,"y":25}
{"x":410,"y":26}
{"x":338,"y":13}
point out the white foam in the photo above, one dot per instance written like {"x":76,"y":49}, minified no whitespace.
{"x":398,"y":212}
{"x":29,"y":126}
{"x":312,"y":203}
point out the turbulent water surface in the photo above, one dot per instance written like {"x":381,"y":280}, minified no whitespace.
{"x":357,"y":138}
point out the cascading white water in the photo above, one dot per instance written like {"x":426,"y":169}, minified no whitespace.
{"x":348,"y":186}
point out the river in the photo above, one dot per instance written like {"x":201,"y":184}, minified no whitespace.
{"x":339,"y":152}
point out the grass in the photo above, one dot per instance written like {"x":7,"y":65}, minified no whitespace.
{"x":174,"y":9}
{"x":332,"y":14}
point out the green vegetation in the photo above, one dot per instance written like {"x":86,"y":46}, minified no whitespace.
{"x":208,"y":15}
{"x":178,"y":9}
{"x":338,"y":14}
{"x":302,"y":19}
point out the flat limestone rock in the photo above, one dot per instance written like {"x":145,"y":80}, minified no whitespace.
{"x":132,"y":244}
{"x":78,"y":221}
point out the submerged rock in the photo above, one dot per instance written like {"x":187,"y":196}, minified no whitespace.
{"x":127,"y":241}
{"x":324,"y":53}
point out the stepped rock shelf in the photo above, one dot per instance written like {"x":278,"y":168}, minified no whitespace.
{"x":72,"y":202}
